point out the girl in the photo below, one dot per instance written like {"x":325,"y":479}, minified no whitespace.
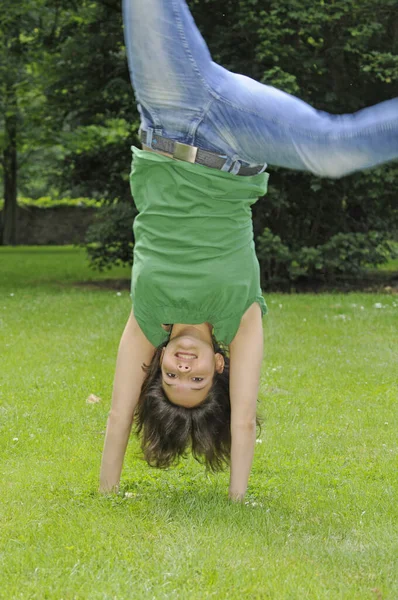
{"x":207,"y":137}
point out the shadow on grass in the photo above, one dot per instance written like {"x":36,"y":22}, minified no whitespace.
{"x":373,"y":282}
{"x":376,"y":282}
{"x":103,"y":284}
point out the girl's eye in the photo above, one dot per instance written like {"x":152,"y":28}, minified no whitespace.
{"x":195,"y":379}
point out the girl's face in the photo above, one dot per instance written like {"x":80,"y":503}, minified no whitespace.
{"x":188,"y":364}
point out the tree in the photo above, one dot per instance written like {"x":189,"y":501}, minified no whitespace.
{"x":21,"y":97}
{"x":71,"y":109}
{"x":11,"y":66}
{"x":91,"y":88}
{"x":339,"y":56}
{"x":30,"y":31}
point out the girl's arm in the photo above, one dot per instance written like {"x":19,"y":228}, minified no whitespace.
{"x":134,"y":350}
{"x":246,"y":356}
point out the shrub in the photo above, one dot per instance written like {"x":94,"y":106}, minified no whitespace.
{"x":275,"y":257}
{"x":109,"y":240}
{"x":352,"y":253}
{"x":345,"y":254}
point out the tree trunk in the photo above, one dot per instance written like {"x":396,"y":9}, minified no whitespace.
{"x":9,"y":233}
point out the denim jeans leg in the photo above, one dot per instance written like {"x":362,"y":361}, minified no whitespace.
{"x":188,"y":97}
{"x":264,"y":124}
{"x":166,"y":76}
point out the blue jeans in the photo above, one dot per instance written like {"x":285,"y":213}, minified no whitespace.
{"x":183,"y":95}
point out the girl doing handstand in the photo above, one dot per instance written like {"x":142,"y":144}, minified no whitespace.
{"x":189,"y":361}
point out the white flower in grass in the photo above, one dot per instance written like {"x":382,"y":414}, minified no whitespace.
{"x":259,"y":441}
{"x":15,"y":439}
{"x":12,"y":294}
{"x":118,"y":293}
{"x":378,"y":305}
{"x":135,"y":495}
{"x":254,"y":504}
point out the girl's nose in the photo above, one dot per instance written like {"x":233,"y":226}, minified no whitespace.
{"x":184,"y":368}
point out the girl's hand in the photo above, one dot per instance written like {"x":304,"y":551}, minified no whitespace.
{"x":246,"y":356}
{"x":134,"y":350}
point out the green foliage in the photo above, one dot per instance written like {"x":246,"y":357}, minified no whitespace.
{"x":339,"y":57}
{"x":63,"y":73}
{"x":274,"y":256}
{"x":97,"y":159}
{"x":345,"y":254}
{"x":109,"y":238}
{"x":350,"y":254}
{"x":91,"y":89}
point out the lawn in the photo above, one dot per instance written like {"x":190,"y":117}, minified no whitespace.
{"x":321,"y":517}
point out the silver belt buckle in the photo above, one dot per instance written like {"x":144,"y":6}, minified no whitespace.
{"x":185,"y":152}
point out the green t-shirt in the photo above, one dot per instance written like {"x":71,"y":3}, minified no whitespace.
{"x":194,"y":254}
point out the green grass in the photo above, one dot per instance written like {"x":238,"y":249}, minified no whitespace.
{"x":321,"y":519}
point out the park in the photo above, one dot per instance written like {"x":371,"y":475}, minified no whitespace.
{"x":319,"y":519}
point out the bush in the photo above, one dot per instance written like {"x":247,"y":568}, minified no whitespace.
{"x":109,"y":240}
{"x":352,"y":253}
{"x":345,"y":254}
{"x":274,"y":256}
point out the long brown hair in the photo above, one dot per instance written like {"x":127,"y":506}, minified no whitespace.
{"x":167,"y":430}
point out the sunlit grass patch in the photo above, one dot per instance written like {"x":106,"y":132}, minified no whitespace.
{"x":320,"y":518}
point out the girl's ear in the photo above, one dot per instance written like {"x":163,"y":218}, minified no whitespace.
{"x":220,"y":363}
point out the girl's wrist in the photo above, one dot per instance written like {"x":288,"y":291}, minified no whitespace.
{"x":236,"y":496}
{"x":105,"y":488}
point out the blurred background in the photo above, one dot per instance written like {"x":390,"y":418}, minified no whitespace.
{"x":68,"y":120}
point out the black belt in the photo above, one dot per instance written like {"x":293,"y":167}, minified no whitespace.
{"x":192,"y":154}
